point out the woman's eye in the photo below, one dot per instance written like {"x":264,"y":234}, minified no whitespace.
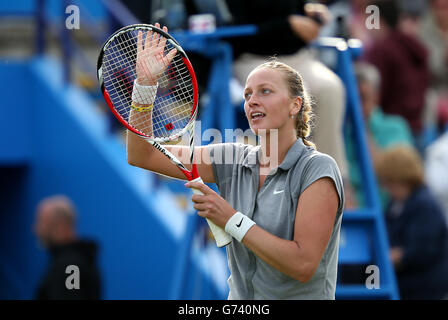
{"x":266,"y":91}
{"x":247,"y":95}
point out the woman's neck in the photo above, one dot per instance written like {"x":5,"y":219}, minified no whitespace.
{"x":274,"y":148}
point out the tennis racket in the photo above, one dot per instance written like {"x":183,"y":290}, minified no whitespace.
{"x":166,"y":107}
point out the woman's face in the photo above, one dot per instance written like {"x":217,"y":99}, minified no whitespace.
{"x":268,"y":104}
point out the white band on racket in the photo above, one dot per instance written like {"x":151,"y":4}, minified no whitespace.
{"x":221,"y":237}
{"x":144,"y":94}
{"x":238,"y":225}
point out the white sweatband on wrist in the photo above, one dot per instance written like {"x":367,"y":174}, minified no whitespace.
{"x":238,"y":225}
{"x":144,"y":94}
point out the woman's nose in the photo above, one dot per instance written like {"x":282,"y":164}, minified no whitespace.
{"x":252,"y":101}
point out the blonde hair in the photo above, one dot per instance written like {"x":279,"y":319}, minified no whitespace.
{"x":400,"y":164}
{"x":296,"y":89}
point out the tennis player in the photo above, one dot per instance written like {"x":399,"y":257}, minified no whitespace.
{"x":283,"y":210}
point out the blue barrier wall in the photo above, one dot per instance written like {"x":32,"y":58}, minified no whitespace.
{"x":52,"y":140}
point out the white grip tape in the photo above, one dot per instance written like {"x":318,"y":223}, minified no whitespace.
{"x":222,"y":238}
{"x":144,"y":94}
{"x":238,"y":225}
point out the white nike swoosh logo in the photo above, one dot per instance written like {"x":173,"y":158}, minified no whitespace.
{"x":279,"y":191}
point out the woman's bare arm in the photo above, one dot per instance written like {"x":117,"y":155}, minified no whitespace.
{"x":297,"y":258}
{"x":150,"y":64}
{"x":143,"y":155}
{"x":315,"y":217}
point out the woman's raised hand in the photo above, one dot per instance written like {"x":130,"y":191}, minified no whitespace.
{"x":151,"y":61}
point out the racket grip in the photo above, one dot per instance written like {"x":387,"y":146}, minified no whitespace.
{"x":222,"y":238}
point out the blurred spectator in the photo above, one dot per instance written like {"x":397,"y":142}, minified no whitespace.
{"x":402,"y":61}
{"x":418,"y":235}
{"x":383,"y":130}
{"x":436,"y":169}
{"x":348,"y":21}
{"x":285,"y":28}
{"x":434,"y":34}
{"x":55,"y":230}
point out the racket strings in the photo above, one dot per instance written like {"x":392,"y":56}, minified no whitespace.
{"x":121,"y":92}
{"x":173,"y":104}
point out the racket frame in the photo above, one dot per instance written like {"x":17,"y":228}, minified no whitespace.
{"x":147,"y":27}
{"x":222,"y":238}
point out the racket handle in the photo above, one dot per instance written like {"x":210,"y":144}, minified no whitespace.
{"x":222,"y":238}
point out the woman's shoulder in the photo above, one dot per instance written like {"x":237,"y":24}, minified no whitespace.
{"x":315,"y":158}
{"x":313,"y":164}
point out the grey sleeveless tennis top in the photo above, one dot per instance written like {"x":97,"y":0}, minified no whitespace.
{"x":273,"y":208}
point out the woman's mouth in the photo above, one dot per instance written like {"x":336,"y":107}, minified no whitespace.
{"x":257,"y":116}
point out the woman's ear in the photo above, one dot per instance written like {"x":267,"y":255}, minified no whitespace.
{"x":297,"y":106}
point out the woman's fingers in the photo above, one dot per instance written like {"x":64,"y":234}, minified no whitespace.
{"x":139,"y":42}
{"x":167,"y":59}
{"x":149,"y":42}
{"x":200,"y":207}
{"x":156,"y":39}
{"x":151,"y":58}
{"x":162,"y":43}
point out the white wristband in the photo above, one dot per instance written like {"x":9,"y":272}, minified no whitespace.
{"x":144,"y":94}
{"x":238,"y":225}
